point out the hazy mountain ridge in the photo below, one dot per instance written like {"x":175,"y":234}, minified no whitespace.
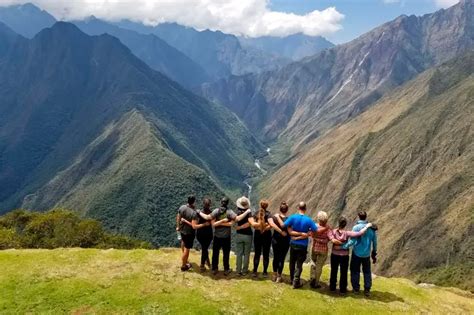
{"x":220,"y":54}
{"x":409,"y":162}
{"x":48,"y":121}
{"x":304,"y":99}
{"x":154,"y":51}
{"x":294,"y":47}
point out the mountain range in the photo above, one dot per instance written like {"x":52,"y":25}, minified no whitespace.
{"x":88,"y":125}
{"x":304,"y":99}
{"x":220,"y":54}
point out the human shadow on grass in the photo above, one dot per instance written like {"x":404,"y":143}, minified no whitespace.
{"x":379,"y":296}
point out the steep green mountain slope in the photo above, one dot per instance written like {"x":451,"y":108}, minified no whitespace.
{"x":74,"y":109}
{"x":301,"y":101}
{"x":139,"y":281}
{"x":294,"y":47}
{"x":409,"y":162}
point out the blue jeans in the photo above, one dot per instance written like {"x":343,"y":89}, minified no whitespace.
{"x":356,"y":262}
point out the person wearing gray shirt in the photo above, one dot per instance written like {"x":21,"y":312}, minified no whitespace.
{"x":186,"y":213}
{"x":222,"y":220}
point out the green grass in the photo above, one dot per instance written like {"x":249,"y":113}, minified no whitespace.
{"x":91,"y":281}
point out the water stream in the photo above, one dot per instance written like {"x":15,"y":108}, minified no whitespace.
{"x":263,"y":172}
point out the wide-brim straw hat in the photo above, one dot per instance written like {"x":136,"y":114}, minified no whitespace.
{"x":243,"y":203}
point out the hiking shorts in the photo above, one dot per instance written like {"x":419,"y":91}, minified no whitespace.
{"x":188,"y":240}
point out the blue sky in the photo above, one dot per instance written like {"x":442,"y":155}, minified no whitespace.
{"x":338,"y":20}
{"x":360,"y":15}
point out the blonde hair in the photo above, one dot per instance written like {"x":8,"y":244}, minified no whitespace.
{"x":322,"y":217}
{"x":261,"y":214}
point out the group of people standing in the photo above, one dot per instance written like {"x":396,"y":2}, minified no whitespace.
{"x":282,"y":233}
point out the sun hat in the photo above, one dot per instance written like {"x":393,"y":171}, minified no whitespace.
{"x":243,"y":203}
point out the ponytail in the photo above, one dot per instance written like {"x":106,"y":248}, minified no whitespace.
{"x":261,"y":214}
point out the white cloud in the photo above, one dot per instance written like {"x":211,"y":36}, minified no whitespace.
{"x":445,"y":3}
{"x":241,"y":17}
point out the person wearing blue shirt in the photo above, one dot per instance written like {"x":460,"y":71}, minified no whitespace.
{"x":365,"y":246}
{"x":300,"y":227}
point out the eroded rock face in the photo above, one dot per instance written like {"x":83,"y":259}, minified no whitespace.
{"x":305,"y":98}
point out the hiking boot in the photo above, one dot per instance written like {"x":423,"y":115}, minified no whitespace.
{"x":227,"y":272}
{"x":356,"y":291}
{"x":265,"y":274}
{"x":254,"y":274}
{"x":297,"y":284}
{"x":202,"y":268}
{"x":274,"y":277}
{"x":244,"y":273}
{"x":214,"y":272}
{"x":367,"y":293}
{"x":240,"y":274}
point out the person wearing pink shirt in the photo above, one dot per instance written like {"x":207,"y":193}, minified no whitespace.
{"x":339,"y":255}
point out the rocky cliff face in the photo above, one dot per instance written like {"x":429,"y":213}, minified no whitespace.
{"x":304,"y":99}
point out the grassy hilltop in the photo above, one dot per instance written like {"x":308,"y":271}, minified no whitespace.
{"x":90,"y":281}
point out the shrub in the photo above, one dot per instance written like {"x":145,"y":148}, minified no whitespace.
{"x":8,"y":238}
{"x":58,"y":228}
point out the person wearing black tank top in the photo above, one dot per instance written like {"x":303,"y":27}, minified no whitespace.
{"x":280,"y":241}
{"x":262,"y":239}
{"x":204,"y":233}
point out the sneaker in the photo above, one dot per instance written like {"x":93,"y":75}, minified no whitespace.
{"x":279,"y":279}
{"x":185,"y":267}
{"x":214,"y":272}
{"x":245,"y":273}
{"x":356,"y":291}
{"x":240,"y":274}
{"x":367,"y":293}
{"x":202,"y":268}
{"x":254,"y":274}
{"x":227,"y":272}
{"x":265,"y":274}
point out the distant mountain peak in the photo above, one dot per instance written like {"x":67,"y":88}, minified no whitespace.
{"x":26,"y":19}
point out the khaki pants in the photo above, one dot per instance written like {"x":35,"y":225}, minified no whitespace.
{"x":318,"y":260}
